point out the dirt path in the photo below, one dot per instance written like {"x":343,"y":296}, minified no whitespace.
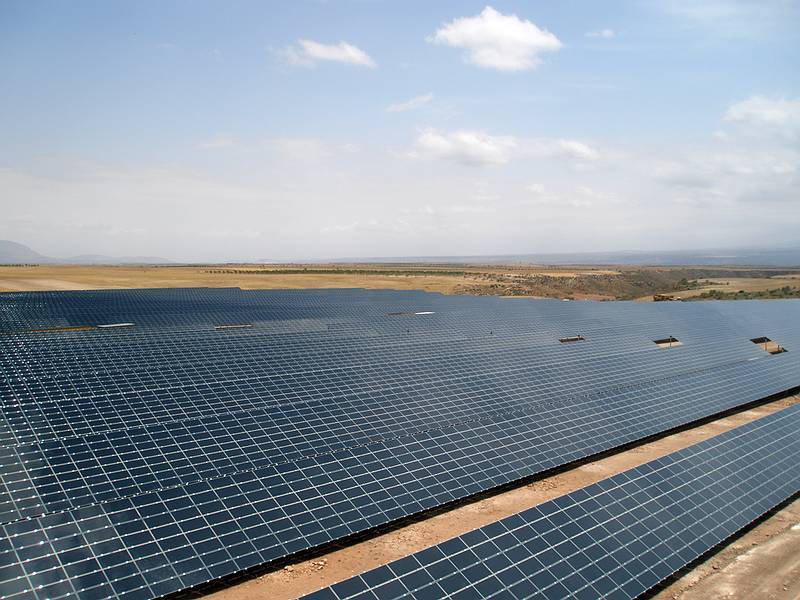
{"x":310,"y":575}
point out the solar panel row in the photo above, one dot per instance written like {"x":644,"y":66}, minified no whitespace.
{"x":168,"y":307}
{"x":617,"y":538}
{"x":468,"y":382}
{"x":196,"y":307}
{"x":171,"y":453}
{"x":73,"y":472}
{"x":96,"y":397}
{"x":180,"y":536}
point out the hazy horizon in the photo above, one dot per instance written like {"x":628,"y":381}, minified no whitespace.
{"x":775,"y":256}
{"x":292,"y":131}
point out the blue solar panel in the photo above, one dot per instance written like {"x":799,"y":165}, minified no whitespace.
{"x":617,"y":538}
{"x":338,"y":410}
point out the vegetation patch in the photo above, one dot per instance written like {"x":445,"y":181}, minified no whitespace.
{"x":774,"y":294}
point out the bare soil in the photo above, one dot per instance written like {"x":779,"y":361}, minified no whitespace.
{"x":68,"y":277}
{"x":444,"y":279}
{"x":310,"y":575}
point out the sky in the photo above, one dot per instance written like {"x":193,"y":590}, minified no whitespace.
{"x":224,"y":131}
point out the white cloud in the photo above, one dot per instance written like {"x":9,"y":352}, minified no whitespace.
{"x":479,"y":148}
{"x":760,"y":110}
{"x":308,"y":52}
{"x":497,"y":41}
{"x":748,"y":164}
{"x":411,"y":104}
{"x":264,"y":204}
{"x":754,"y":161}
{"x":467,"y":147}
{"x":569,"y":149}
{"x":606,"y":34}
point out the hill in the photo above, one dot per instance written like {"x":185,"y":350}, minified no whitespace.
{"x":15,"y":253}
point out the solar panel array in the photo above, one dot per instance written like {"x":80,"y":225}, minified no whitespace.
{"x":147,"y":459}
{"x":617,"y":538}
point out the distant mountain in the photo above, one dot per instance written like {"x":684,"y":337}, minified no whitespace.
{"x":15,"y":253}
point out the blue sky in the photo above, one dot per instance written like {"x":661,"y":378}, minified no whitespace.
{"x":296,"y":130}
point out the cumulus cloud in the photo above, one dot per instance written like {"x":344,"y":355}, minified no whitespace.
{"x":760,"y":110}
{"x":307,"y":53}
{"x":410,"y":104}
{"x":605,"y":34}
{"x":497,"y":41}
{"x":479,"y":148}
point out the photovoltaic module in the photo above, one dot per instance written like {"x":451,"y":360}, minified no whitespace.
{"x":617,"y":538}
{"x":154,"y":440}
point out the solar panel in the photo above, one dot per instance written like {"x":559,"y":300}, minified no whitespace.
{"x":174,"y":452}
{"x":617,"y":538}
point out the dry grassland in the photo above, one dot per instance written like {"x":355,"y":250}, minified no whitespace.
{"x":575,"y":282}
{"x":747,"y":284}
{"x":447,"y":279}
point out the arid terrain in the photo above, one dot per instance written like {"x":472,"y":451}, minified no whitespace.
{"x":576,"y":282}
{"x":763,"y":563}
